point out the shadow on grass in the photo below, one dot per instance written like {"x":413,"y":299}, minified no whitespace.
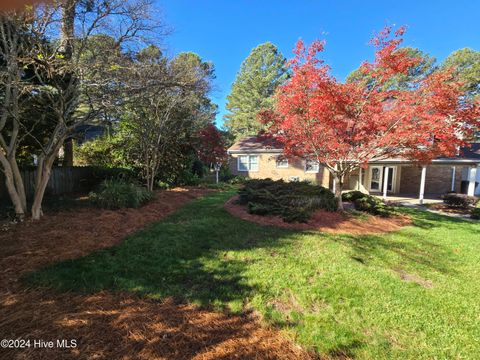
{"x":428,"y":220}
{"x":186,"y":257}
{"x":177,"y":258}
{"x":413,"y":245}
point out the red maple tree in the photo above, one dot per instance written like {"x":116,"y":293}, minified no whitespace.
{"x":345,"y":125}
{"x":211,"y":149}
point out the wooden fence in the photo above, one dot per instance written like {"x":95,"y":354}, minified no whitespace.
{"x":63,"y":180}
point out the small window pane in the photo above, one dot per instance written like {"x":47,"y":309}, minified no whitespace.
{"x":282,"y":162}
{"x":254,"y":163}
{"x":243,"y":163}
{"x":311,"y":166}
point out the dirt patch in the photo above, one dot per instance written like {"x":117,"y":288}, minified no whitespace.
{"x":414,"y":278}
{"x":288,"y":304}
{"x":115,"y":325}
{"x":325,"y":221}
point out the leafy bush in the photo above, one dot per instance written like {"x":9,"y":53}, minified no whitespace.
{"x":372,"y":205}
{"x":353,"y":195}
{"x":100,"y":174}
{"x":293,"y":201}
{"x":475,"y":214}
{"x":117,"y":194}
{"x":223,"y":186}
{"x":455,"y":200}
{"x":163,"y":185}
{"x":187,"y":178}
{"x":236,"y":180}
{"x":105,"y":151}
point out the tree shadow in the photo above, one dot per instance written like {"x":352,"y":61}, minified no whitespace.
{"x":410,"y":247}
{"x":176,"y":258}
{"x":133,"y":300}
{"x":428,"y":220}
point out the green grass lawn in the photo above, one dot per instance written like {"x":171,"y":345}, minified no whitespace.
{"x":410,"y":294}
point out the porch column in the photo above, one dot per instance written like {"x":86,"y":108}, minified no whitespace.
{"x":472,"y":176}
{"x":454,"y":172}
{"x":422,"y":185}
{"x":360,"y":179}
{"x":385,"y":182}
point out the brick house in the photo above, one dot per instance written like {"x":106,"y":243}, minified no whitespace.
{"x":260,"y":157}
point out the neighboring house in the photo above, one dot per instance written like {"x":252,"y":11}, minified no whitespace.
{"x":261,"y":157}
{"x":88,"y":132}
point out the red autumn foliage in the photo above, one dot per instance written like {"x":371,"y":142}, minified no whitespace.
{"x":346,"y":125}
{"x":211,"y":149}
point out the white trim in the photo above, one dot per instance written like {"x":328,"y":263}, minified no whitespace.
{"x":248,"y":169}
{"x":385,"y":174}
{"x":360,"y":179}
{"x":435,"y":161}
{"x":255,"y":151}
{"x":380,"y":179}
{"x":394,"y":179}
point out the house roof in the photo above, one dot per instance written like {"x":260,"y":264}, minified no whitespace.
{"x":473,"y":152}
{"x":256,"y":144}
{"x":266,"y":144}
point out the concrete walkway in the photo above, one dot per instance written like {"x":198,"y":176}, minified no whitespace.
{"x":410,"y":200}
{"x":414,"y":203}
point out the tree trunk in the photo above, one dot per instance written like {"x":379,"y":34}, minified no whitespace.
{"x":12,"y":190}
{"x":216,"y":176}
{"x":67,"y":31}
{"x":68,"y":152}
{"x":338,"y":191}
{"x":44,"y":169}
{"x":150,"y":182}
{"x":19,"y":185}
{"x":41,"y":182}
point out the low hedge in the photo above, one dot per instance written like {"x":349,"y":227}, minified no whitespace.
{"x":455,"y":200}
{"x":293,"y":201}
{"x":372,"y":205}
{"x":117,"y":194}
{"x":367,"y":203}
{"x":475,"y":214}
{"x":351,"y":196}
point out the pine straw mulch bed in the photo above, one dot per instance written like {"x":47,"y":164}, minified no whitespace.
{"x":325,"y":221}
{"x":450,"y":210}
{"x":115,"y":325}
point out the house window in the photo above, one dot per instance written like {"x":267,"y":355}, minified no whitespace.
{"x":282,"y":163}
{"x":311,"y":166}
{"x":248,"y":163}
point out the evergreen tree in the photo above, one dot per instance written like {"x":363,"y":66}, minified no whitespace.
{"x":424,"y":67}
{"x":260,"y":74}
{"x":466,"y":63}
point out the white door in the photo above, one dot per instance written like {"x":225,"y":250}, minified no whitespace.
{"x":376,"y":178}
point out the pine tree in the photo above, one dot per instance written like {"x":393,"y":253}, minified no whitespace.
{"x":424,"y":67}
{"x":260,"y":74}
{"x":466,"y":63}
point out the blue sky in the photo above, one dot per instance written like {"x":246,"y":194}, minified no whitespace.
{"x":225,"y":31}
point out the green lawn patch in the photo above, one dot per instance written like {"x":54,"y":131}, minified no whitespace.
{"x":412,"y":294}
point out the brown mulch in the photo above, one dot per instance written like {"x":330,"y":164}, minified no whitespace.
{"x":325,"y":221}
{"x":450,"y":210}
{"x":115,"y":325}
